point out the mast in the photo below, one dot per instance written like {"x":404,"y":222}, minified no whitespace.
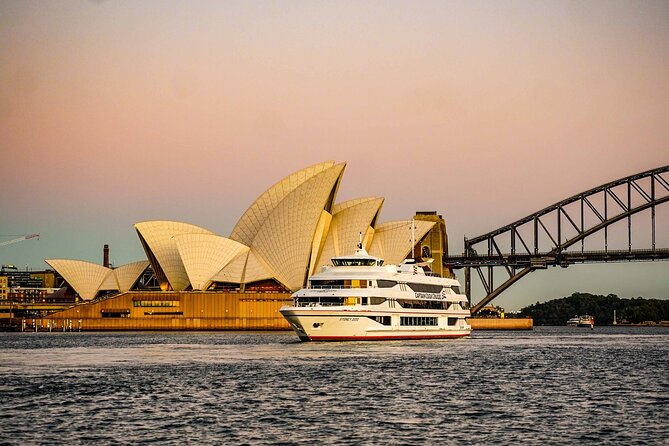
{"x":413,"y":238}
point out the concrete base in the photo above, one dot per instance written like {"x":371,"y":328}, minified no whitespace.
{"x":482,"y":323}
{"x":174,"y":310}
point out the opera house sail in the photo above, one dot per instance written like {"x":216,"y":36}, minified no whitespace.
{"x":285,"y":236}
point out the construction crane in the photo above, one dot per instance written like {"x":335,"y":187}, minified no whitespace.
{"x":20,"y":239}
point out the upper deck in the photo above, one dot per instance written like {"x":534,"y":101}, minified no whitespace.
{"x":369,"y":275}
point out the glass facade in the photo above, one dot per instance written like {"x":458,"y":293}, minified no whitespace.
{"x":155,"y":303}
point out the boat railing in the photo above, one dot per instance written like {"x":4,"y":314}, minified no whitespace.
{"x":317,"y":304}
{"x":417,"y":273}
{"x":332,"y":287}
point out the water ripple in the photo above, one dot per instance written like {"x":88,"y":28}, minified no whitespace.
{"x":549,"y":386}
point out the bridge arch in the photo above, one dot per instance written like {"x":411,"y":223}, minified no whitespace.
{"x":550,"y":232}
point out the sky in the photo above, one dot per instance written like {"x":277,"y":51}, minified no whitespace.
{"x":115,"y":112}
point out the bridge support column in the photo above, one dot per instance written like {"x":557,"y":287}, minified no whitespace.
{"x":468,"y":284}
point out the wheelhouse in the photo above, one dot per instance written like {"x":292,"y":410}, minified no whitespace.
{"x":357,"y":261}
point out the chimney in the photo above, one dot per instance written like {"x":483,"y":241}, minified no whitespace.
{"x":105,"y":256}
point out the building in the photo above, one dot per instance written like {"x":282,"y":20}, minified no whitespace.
{"x":435,"y":243}
{"x":30,"y":294}
{"x":17,"y":278}
{"x":27,"y":286}
{"x":48,"y":278}
{"x":4,"y":287}
{"x":175,"y":310}
{"x":283,"y":238}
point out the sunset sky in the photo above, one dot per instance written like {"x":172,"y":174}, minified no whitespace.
{"x":114,"y":112}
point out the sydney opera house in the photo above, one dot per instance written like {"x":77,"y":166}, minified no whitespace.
{"x":203,"y":280}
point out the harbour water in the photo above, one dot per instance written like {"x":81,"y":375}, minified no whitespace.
{"x":553,"y":385}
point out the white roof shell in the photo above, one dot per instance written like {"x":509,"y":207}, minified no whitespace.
{"x":203,"y":255}
{"x":288,"y":231}
{"x":284,"y":240}
{"x":255,"y":216}
{"x":392,"y":240}
{"x":110,"y":283}
{"x":256,"y":268}
{"x":343,"y":205}
{"x":126,"y":275}
{"x":159,"y":236}
{"x":89,"y":278}
{"x":85,"y":277}
{"x":234,"y":271}
{"x":350,"y":219}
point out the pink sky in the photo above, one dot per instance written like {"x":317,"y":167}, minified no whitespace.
{"x":120,"y":111}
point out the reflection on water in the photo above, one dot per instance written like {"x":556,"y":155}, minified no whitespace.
{"x":556,"y":385}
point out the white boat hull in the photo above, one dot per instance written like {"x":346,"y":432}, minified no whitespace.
{"x":320,"y":324}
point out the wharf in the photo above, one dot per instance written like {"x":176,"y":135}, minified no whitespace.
{"x":493,"y":323}
{"x":145,"y":310}
{"x":174,"y":310}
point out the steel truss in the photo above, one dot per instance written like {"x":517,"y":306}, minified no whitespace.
{"x":562,"y":226}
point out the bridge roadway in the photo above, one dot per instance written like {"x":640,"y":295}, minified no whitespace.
{"x":546,"y":259}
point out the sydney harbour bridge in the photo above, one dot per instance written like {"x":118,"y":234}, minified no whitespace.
{"x":558,"y":235}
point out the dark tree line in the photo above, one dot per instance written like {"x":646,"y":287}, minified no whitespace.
{"x":635,"y":310}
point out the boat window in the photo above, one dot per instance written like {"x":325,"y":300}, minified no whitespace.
{"x":385,"y":283}
{"x":425,"y":288}
{"x":356,"y":283}
{"x":376,"y":300}
{"x":354,"y":262}
{"x":155,"y":303}
{"x":323,"y":300}
{"x":456,"y":289}
{"x":383,"y":320}
{"x":327,"y":284}
{"x":424,"y":304}
{"x":418,"y":321}
{"x":452,"y":321}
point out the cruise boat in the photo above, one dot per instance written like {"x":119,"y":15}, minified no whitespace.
{"x":582,"y":321}
{"x":359,"y":298}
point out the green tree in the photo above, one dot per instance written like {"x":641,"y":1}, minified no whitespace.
{"x":635,"y":310}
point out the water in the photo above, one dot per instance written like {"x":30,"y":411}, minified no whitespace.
{"x":555,"y":385}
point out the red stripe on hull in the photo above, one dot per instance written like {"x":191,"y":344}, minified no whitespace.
{"x":385,"y":338}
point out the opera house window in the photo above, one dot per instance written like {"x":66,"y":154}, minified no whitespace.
{"x":114,"y":313}
{"x":155,"y":303}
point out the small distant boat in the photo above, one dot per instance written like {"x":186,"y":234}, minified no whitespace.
{"x":582,"y":321}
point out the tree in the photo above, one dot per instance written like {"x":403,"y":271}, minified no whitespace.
{"x":635,"y":310}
